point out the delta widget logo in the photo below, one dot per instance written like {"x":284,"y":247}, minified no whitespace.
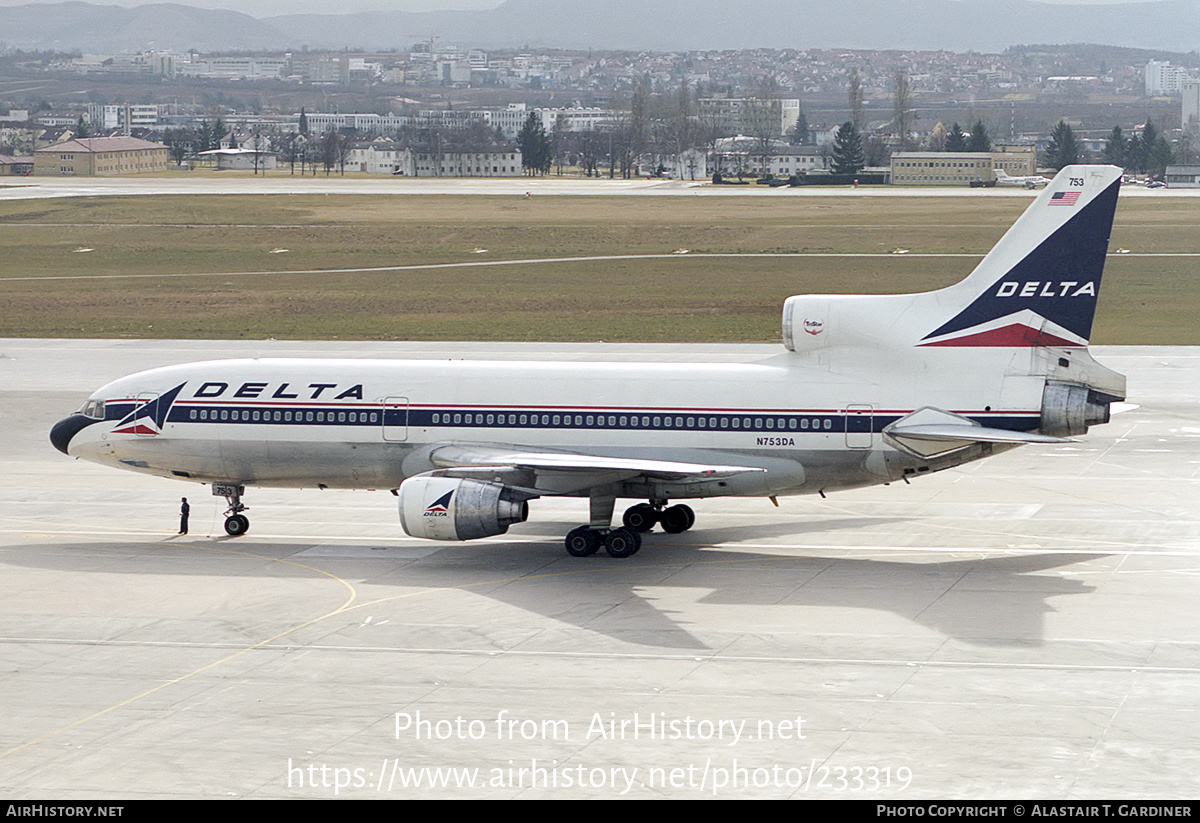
{"x":440,"y":507}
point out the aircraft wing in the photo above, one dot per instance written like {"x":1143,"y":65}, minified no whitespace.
{"x":484,"y":455}
{"x":562,"y":472}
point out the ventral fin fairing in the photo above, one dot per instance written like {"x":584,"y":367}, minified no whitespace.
{"x":870,"y":389}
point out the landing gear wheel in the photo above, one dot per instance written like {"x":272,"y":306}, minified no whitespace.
{"x":640,"y":518}
{"x":622,"y":542}
{"x":236,"y":523}
{"x":583,"y":542}
{"x":691,"y":515}
{"x":677,"y":519}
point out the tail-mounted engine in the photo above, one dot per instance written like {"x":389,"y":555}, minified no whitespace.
{"x":1069,"y":408}
{"x":455,"y":508}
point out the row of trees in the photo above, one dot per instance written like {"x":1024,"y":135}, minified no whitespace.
{"x":658,"y":125}
{"x":670,"y":124}
{"x":190,"y":140}
{"x":1145,"y":153}
{"x":328,"y":151}
{"x":955,"y":139}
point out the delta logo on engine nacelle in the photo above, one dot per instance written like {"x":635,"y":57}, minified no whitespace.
{"x":439,"y":507}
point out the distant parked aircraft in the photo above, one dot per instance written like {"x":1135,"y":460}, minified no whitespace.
{"x":1032,"y":181}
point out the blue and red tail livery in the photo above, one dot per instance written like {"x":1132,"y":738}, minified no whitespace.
{"x":1043,"y":278}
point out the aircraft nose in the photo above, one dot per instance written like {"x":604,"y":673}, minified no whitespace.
{"x":67,"y":428}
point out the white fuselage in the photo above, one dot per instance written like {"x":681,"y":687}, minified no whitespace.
{"x":371,"y":424}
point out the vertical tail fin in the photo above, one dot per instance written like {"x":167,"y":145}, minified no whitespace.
{"x":1038,"y":285}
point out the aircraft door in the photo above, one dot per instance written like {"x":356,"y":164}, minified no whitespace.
{"x":859,"y":425}
{"x":395,"y":419}
{"x":144,"y":430}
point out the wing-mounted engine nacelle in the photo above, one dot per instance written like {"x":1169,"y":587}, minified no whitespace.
{"x":456,"y":508}
{"x":1069,"y":408}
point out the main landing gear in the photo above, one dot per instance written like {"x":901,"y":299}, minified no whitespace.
{"x":674,"y":520}
{"x":236,"y":523}
{"x":626,"y":540}
{"x":587,"y":540}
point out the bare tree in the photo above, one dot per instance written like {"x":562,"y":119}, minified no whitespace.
{"x":629,"y":132}
{"x":762,"y":117}
{"x":903,"y":108}
{"x":683,"y":132}
{"x":290,"y":147}
{"x":855,"y":96}
{"x":710,"y":130}
{"x":558,"y":141}
{"x":586,"y":147}
{"x":333,"y":150}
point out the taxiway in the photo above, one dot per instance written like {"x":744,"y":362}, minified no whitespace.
{"x":1021,"y":627}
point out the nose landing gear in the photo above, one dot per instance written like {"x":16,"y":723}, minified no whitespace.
{"x":236,"y":523}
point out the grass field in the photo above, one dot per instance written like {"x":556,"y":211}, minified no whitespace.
{"x":203,"y":267}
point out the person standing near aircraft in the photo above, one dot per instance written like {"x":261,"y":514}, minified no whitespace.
{"x":184,"y":511}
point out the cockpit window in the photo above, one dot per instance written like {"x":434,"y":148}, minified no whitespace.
{"x":93,"y":409}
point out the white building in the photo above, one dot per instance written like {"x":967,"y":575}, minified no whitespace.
{"x":740,"y":154}
{"x":786,"y":161}
{"x":129,"y":116}
{"x":377,"y":157}
{"x":495,"y":162}
{"x":1163,"y":78}
{"x":1183,"y":177}
{"x":1191,"y":106}
{"x":239,"y":159}
{"x":319,"y":122}
{"x":576,"y":118}
{"x":508,"y":120}
{"x":569,"y":118}
{"x":738,"y":114}
{"x":230,"y":68}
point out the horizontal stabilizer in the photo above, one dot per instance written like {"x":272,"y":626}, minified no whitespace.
{"x":973,"y":432}
{"x":929,"y":432}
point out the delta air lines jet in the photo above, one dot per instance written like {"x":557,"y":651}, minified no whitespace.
{"x":870,"y":389}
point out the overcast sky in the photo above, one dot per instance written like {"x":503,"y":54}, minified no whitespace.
{"x":267,"y":8}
